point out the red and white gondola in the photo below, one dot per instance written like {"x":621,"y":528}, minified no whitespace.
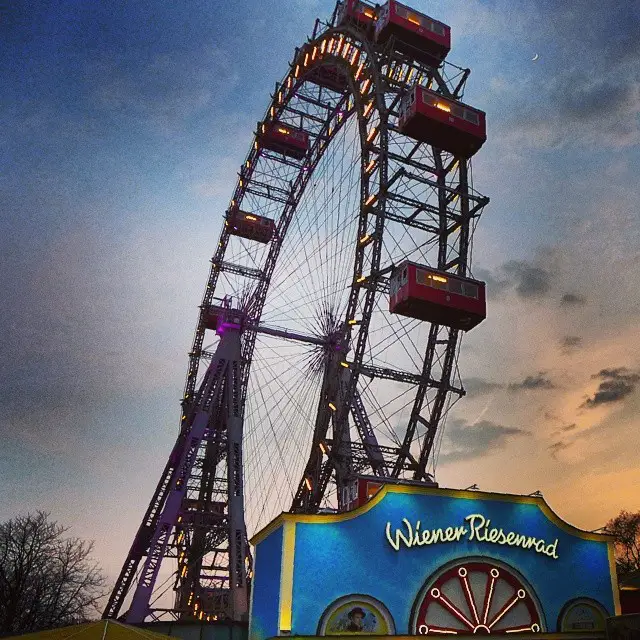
{"x":418,"y":291}
{"x":442,"y":122}
{"x":250,"y":226}
{"x":283,"y":138}
{"x":414,"y":33}
{"x":361,"y":13}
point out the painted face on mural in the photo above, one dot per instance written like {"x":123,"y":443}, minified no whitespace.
{"x":356,"y":619}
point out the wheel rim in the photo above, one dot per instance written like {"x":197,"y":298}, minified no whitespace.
{"x":428,"y":375}
{"x":477,"y":597}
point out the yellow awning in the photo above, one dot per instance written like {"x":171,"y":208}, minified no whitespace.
{"x":99,"y":630}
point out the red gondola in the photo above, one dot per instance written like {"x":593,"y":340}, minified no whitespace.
{"x":359,"y":489}
{"x":363,"y":14}
{"x":435,"y":296}
{"x":445,"y":123}
{"x":284,"y":139}
{"x":329,"y":76}
{"x":416,"y":34}
{"x":250,"y":226}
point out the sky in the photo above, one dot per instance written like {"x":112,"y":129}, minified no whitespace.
{"x":124,"y":124}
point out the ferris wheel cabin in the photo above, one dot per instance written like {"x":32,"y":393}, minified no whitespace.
{"x":250,"y":226}
{"x":435,"y":296}
{"x":363,"y":14}
{"x":284,"y":139}
{"x":416,"y":34}
{"x":359,"y":489}
{"x":442,"y":122}
{"x":329,"y":76}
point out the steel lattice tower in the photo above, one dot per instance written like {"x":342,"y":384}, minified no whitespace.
{"x":196,"y":514}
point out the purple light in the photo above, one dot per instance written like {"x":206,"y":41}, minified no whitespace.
{"x":223,"y":326}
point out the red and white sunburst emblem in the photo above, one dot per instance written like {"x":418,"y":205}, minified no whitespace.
{"x":476,"y":597}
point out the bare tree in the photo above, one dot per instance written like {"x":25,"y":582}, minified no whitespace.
{"x":46,"y":579}
{"x":626,"y":529}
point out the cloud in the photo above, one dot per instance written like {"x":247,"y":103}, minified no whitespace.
{"x":480,"y":386}
{"x":106,"y":335}
{"x":529,"y":281}
{"x":569,"y":343}
{"x":595,"y":111}
{"x":464,"y":441}
{"x":562,"y":432}
{"x":526,"y":279}
{"x":538,"y":381}
{"x":164,"y":90}
{"x":577,"y":103}
{"x":616,"y":384}
{"x":585,"y":101}
{"x":557,"y":447}
{"x":609,"y":33}
{"x":572,"y":299}
{"x":83,"y":327}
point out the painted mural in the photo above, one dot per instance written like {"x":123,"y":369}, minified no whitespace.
{"x":427,"y":561}
{"x":356,"y":614}
{"x":581,"y":615}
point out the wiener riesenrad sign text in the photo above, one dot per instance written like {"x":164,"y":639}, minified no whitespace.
{"x":477,"y":528}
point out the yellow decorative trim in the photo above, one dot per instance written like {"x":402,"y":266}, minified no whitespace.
{"x":267,"y":530}
{"x":255,"y":561}
{"x":414,"y":490}
{"x":286,"y":575}
{"x":614,"y":579}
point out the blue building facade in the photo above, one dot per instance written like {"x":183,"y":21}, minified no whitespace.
{"x":427,"y":561}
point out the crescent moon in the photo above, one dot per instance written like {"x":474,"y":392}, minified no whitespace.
{"x":535,"y":57}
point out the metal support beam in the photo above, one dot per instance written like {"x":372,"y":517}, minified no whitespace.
{"x":189,"y":502}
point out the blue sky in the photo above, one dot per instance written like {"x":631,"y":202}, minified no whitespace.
{"x":124,"y":126}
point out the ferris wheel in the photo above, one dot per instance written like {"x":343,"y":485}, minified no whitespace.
{"x":328,"y":335}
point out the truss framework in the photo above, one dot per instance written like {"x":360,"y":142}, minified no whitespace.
{"x":196,"y":515}
{"x":198,"y":508}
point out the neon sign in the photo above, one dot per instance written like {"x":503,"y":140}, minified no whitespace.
{"x":478,"y":529}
